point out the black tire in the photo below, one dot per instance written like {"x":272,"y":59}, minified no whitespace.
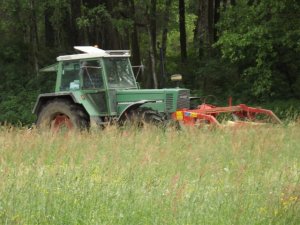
{"x":152,"y":117}
{"x":61,"y":113}
{"x":141,"y":116}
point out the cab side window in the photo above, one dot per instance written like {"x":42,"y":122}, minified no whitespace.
{"x":91,"y":74}
{"x":70,"y":76}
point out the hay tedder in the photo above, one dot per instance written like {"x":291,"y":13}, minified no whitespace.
{"x":238,"y":115}
{"x":97,"y":88}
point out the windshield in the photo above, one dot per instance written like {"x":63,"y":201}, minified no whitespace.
{"x":119,"y":73}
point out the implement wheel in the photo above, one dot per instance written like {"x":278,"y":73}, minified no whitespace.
{"x":62,"y":115}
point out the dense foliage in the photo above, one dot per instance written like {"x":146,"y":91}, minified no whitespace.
{"x":263,"y":39}
{"x":248,"y":49}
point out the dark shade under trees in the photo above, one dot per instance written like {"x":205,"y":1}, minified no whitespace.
{"x":247,"y":49}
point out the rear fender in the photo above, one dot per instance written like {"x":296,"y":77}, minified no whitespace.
{"x":132,"y":106}
{"x":44,"y":98}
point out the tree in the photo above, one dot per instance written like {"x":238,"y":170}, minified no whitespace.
{"x":151,"y":29}
{"x":34,"y":39}
{"x":135,"y":47}
{"x":264,"y":45}
{"x":216,"y":18}
{"x":165,"y":24}
{"x":204,"y":30}
{"x":182,"y":30}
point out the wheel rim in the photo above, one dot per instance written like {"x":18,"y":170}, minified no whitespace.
{"x":61,"y":122}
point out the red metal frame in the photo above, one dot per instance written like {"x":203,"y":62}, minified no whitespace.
{"x":206,"y":114}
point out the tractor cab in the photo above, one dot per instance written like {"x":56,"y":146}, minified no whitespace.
{"x":96,"y":69}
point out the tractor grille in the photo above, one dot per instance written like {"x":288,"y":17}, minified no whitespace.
{"x":169,"y":102}
{"x":183,"y":100}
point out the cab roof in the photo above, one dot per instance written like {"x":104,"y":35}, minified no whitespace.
{"x":93,"y":52}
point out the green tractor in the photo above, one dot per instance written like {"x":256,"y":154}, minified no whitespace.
{"x":98,"y":87}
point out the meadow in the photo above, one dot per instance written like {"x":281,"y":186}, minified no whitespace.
{"x":150,"y":176}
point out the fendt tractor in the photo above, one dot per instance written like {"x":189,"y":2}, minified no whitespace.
{"x":98,"y":87}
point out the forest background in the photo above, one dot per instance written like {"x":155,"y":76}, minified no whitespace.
{"x":247,"y":49}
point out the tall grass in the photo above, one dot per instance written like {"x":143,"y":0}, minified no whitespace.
{"x":150,"y":176}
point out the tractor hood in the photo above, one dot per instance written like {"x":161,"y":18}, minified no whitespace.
{"x":162,"y":100}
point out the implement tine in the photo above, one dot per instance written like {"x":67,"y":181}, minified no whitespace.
{"x":262,"y":111}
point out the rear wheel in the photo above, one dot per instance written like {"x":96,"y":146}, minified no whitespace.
{"x":62,"y":115}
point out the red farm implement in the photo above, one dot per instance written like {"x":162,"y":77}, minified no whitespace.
{"x":238,"y":115}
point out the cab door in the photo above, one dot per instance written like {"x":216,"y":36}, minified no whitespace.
{"x":93,"y":85}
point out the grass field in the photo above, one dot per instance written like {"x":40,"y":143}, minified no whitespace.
{"x":232,"y":176}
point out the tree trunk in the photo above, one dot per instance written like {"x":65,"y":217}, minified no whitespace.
{"x":166,"y":16}
{"x":224,"y":4}
{"x":34,"y":41}
{"x":84,"y":33}
{"x":136,"y":58}
{"x":216,"y":18}
{"x":182,"y":31}
{"x":49,"y":31}
{"x":210,"y":26}
{"x":75,"y":13}
{"x":151,"y":29}
{"x":153,"y":26}
{"x":112,"y":36}
{"x":204,"y":31}
{"x":164,"y":36}
{"x":152,"y":59}
{"x":135,"y":48}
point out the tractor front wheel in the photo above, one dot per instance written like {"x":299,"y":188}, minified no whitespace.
{"x":142,"y":116}
{"x":60,"y":115}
